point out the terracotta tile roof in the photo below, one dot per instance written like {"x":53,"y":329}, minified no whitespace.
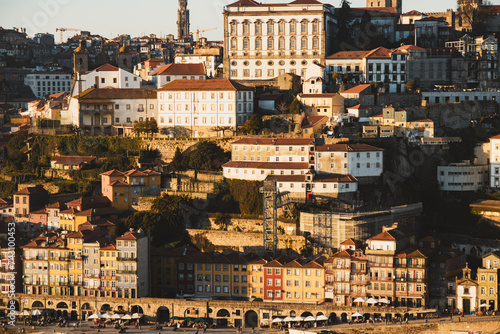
{"x":410,"y":47}
{"x":207,"y":84}
{"x":243,"y":3}
{"x":347,"y":148}
{"x":266,"y":165}
{"x":113,"y":172}
{"x":324,"y":95}
{"x":306,"y":2}
{"x":495,"y":137}
{"x":119,"y":183}
{"x":32,"y":190}
{"x":108,"y":247}
{"x":375,"y":11}
{"x":151,"y":172}
{"x":135,"y":172}
{"x":313,"y":120}
{"x":180,"y":69}
{"x":130,"y":235}
{"x":106,"y":67}
{"x":73,"y":160}
{"x":275,"y":141}
{"x":326,"y":178}
{"x":421,"y":120}
{"x":379,"y":53}
{"x":343,"y":254}
{"x":90,"y":202}
{"x":348,"y":55}
{"x":356,"y":90}
{"x":359,"y":106}
{"x":70,"y":210}
{"x":391,"y":235}
{"x":413,"y":12}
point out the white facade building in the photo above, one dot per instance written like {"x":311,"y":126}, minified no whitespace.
{"x":259,"y":171}
{"x":495,"y":161}
{"x":48,"y":83}
{"x":462,"y":177}
{"x":203,"y":108}
{"x":169,"y":73}
{"x":210,"y":58}
{"x":107,"y":76}
{"x":263,"y":41}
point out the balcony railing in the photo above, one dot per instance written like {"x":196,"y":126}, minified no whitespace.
{"x":410,"y":279}
{"x":409,"y":265}
{"x":126,"y":259}
{"x":126,"y":271}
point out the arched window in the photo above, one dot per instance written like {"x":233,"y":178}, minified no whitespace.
{"x":270,"y":27}
{"x":303,"y":43}
{"x":303,"y":27}
{"x":270,"y":43}
{"x":315,"y":42}
{"x":281,"y":43}
{"x":293,"y":27}
{"x":258,"y":43}
{"x":293,"y":43}
{"x":234,"y":27}
{"x":246,"y":27}
{"x":315,"y":26}
{"x":281,"y":27}
{"x":246,"y":43}
{"x":234,"y":43}
{"x":258,"y":27}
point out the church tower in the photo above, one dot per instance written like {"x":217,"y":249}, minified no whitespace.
{"x":182,"y":20}
{"x":125,"y":58}
{"x":396,"y":4}
{"x":81,"y":59}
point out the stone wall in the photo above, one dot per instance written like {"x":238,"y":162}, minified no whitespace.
{"x":249,"y":242}
{"x":403,"y":100}
{"x":254,"y":226}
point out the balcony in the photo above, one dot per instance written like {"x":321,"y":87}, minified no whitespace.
{"x":410,"y":279}
{"x":127,"y":258}
{"x":74,"y":257}
{"x":378,"y":264}
{"x":126,"y":271}
{"x":358,"y":282}
{"x":380,"y":279}
{"x":409,"y":265}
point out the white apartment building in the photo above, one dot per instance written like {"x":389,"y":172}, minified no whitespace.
{"x":48,"y":83}
{"x":132,"y":265}
{"x":168,"y":73}
{"x":359,"y":160}
{"x":203,"y":108}
{"x":462,"y":177}
{"x":259,"y":171}
{"x":211,"y":58}
{"x":495,"y":161}
{"x":112,"y":111}
{"x":107,"y":76}
{"x":319,"y":185}
{"x":379,"y":65}
{"x":263,"y":41}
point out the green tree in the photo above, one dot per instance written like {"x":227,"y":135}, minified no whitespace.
{"x":138,"y":128}
{"x":178,"y":162}
{"x":411,"y":86}
{"x":165,"y":222}
{"x":295,"y":107}
{"x":151,"y":126}
{"x":344,"y":19}
{"x":223,"y":220}
{"x":253,"y":125}
{"x":248,"y":196}
{"x":207,"y":156}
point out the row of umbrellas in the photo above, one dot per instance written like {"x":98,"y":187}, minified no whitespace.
{"x":27,"y":313}
{"x":372,"y":300}
{"x":299,"y":318}
{"x":115,"y":316}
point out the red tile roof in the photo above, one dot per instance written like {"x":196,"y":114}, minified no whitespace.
{"x":208,"y":84}
{"x":379,"y":53}
{"x":113,"y":172}
{"x":130,"y":235}
{"x":495,"y":137}
{"x":180,"y":69}
{"x":359,"y":106}
{"x":348,"y":54}
{"x":410,"y":47}
{"x":356,"y":90}
{"x":334,"y":178}
{"x":106,"y":67}
{"x":274,"y":141}
{"x":32,"y":190}
{"x":413,"y":12}
{"x":119,"y":183}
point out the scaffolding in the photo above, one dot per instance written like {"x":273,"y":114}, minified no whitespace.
{"x":270,"y":197}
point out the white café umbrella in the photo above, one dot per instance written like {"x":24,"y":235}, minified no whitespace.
{"x":360,"y":300}
{"x":372,"y":301}
{"x":126,"y":317}
{"x":116,"y":316}
{"x":106,"y":316}
{"x":95,"y":316}
{"x":484,"y":305}
{"x":310,"y":318}
{"x":288,"y":319}
{"x":298,"y":318}
{"x":36,"y":312}
{"x":25,"y":313}
{"x":136,"y":315}
{"x":321,"y":318}
{"x":357,"y":314}
{"x":275,"y":320}
{"x":384,"y":301}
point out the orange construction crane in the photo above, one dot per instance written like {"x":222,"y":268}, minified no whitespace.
{"x":63,"y":30}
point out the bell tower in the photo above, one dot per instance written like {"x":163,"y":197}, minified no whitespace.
{"x":125,"y":58}
{"x":81,"y":59}
{"x":182,"y":19}
{"x":396,"y":4}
